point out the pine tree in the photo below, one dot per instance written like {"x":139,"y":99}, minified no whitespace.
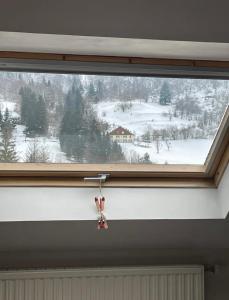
{"x":91,"y":93}
{"x":82,"y":137}
{"x":73,"y":112}
{"x":99,"y":147}
{"x":7,"y":143}
{"x":100,"y":91}
{"x":33,"y":112}
{"x":116,"y":154}
{"x":77,"y":83}
{"x":72,"y":127}
{"x":7,"y":150}
{"x":7,"y":123}
{"x":1,"y":118}
{"x":41,"y":119}
{"x":146,"y":159}
{"x":28,"y":99}
{"x":6,"y":115}
{"x":165,"y":94}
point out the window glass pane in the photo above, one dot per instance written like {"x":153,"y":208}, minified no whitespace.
{"x":62,"y":118}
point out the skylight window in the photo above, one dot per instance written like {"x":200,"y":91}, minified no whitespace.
{"x":98,"y":119}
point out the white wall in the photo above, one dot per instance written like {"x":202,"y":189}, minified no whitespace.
{"x":36,"y":204}
{"x":44,"y":204}
{"x":223,"y":194}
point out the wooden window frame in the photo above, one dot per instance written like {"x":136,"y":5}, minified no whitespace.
{"x":121,"y":175}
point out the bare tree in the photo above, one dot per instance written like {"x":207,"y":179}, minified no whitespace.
{"x":134,"y":157}
{"x":158,"y":145}
{"x":170,"y":115}
{"x":174,"y":132}
{"x":124,"y":106}
{"x":168,"y":144}
{"x":36,"y":153}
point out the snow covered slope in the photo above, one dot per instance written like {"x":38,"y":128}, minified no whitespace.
{"x":143,"y":115}
{"x":139,"y":116}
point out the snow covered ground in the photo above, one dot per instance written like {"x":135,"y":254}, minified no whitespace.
{"x":22,"y":142}
{"x":143,"y":115}
{"x":51,"y":145}
{"x":137,"y":119}
{"x":11,"y":106}
{"x":193,"y":151}
{"x":180,"y":152}
{"x":140,"y":116}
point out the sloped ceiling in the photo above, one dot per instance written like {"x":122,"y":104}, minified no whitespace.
{"x":78,"y":243}
{"x":183,"y":20}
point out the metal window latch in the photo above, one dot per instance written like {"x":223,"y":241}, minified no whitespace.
{"x":100,"y":177}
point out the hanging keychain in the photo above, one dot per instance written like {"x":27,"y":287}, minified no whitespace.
{"x":102,"y":222}
{"x":100,"y":205}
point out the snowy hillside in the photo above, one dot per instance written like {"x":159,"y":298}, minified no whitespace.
{"x":139,"y":117}
{"x":142,"y":116}
{"x":61,"y":118}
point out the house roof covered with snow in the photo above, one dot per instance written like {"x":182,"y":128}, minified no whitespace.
{"x":121,"y":131}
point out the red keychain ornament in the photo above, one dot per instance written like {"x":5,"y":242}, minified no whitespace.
{"x":100,"y":205}
{"x":97,"y":203}
{"x":102,"y":222}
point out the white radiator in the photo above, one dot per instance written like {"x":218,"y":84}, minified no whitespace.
{"x":151,"y":283}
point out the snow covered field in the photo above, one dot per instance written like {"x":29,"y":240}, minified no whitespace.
{"x":181,"y":152}
{"x":143,"y":115}
{"x":140,"y":116}
{"x":51,"y":145}
{"x":191,"y":151}
{"x":11,"y":106}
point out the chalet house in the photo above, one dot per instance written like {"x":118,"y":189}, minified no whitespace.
{"x":122,"y":135}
